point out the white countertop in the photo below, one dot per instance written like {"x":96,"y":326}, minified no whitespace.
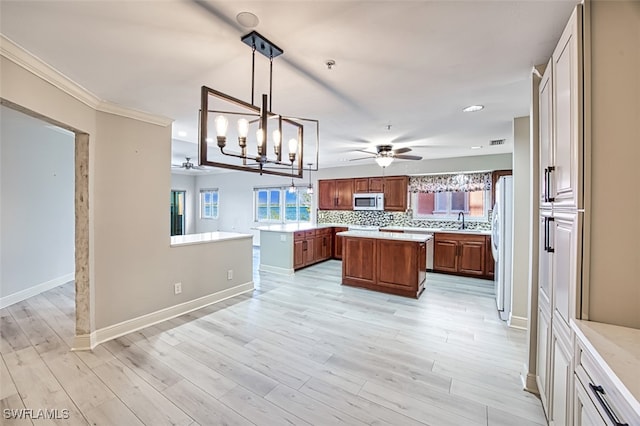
{"x":206,"y":237}
{"x":292,"y":227}
{"x":418,"y":238}
{"x":617,"y":351}
{"x":438,"y":230}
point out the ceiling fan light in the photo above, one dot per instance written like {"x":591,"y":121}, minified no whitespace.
{"x":384,"y":161}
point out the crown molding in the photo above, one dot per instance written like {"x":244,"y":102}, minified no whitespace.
{"x":25,"y":59}
{"x":112,"y":108}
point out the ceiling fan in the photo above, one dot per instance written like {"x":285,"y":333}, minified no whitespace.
{"x":187,"y":165}
{"x":385,"y":154}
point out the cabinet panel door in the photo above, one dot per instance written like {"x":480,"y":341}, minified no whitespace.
{"x":309,"y":256}
{"x":445,"y":255}
{"x":567,"y":111}
{"x":585,"y":412}
{"x":545,"y":126}
{"x":298,"y":254}
{"x":326,"y":194}
{"x":344,"y":194}
{"x":361,"y":185}
{"x":543,"y":356}
{"x":359,"y":252}
{"x":375,"y":184}
{"x":397,"y":263}
{"x":490,"y":263}
{"x":561,"y":384}
{"x":395,"y":193}
{"x":564,"y":235}
{"x":337,"y":242}
{"x":472,"y":257}
{"x":545,"y":260}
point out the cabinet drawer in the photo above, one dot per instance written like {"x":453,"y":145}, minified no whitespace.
{"x":602,"y":391}
{"x":298,"y":235}
{"x":310,"y":233}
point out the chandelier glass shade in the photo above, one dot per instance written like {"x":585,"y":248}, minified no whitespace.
{"x":239,"y":135}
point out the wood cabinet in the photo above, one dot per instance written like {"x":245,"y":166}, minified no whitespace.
{"x":390,"y":266}
{"x":490,"y":263}
{"x":311,"y":246}
{"x":463,"y":254}
{"x":335,"y":194}
{"x":395,"y":193}
{"x":367,"y":184}
{"x":337,"y":242}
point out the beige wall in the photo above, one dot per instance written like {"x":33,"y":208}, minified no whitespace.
{"x":132,"y":266}
{"x":521,"y":221}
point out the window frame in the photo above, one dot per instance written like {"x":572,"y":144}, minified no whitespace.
{"x":282,"y":208}
{"x":452,"y":215}
{"x":214,"y":206}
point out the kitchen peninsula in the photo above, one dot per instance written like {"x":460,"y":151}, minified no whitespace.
{"x":389,"y":262}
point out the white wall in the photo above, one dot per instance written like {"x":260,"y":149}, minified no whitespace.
{"x":521,"y":221}
{"x":37,"y":204}
{"x":184,"y":182}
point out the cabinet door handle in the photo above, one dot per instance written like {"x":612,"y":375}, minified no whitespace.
{"x":548,"y":183}
{"x":545,"y":188}
{"x":598,"y":391}
{"x":548,"y":236}
{"x":546,"y":231}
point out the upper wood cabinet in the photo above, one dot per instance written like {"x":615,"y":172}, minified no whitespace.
{"x":371,"y":184}
{"x":395,"y":193}
{"x":335,"y":194}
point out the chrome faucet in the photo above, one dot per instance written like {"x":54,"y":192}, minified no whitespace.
{"x":463,"y":226}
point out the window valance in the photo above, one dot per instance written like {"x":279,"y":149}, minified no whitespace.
{"x":461,"y":182}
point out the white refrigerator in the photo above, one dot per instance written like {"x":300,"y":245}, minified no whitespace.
{"x":501,"y":244}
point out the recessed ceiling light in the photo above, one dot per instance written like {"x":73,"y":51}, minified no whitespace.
{"x":247,"y":19}
{"x":476,"y":147}
{"x":182,"y":133}
{"x":473,"y":108}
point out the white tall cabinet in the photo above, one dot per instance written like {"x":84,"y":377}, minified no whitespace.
{"x":580,"y":196}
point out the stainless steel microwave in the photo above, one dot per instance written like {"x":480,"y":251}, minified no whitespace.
{"x":368,"y":201}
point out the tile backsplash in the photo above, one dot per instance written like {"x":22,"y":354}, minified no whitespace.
{"x":382,"y":218}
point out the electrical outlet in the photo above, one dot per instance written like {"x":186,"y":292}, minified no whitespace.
{"x":177,"y":288}
{"x":283,"y":238}
{"x":230,"y":274}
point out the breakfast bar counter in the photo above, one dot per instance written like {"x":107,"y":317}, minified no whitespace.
{"x":388,"y":262}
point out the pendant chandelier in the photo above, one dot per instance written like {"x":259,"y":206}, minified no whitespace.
{"x":259,"y":132}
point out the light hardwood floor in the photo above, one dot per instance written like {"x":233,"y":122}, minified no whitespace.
{"x":300,"y":350}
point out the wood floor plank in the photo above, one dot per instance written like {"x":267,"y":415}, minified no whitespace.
{"x":8,"y":388}
{"x":258,"y":410}
{"x":354,"y":405}
{"x":38,"y":387}
{"x":155,"y":372}
{"x":419,"y":409}
{"x":10,"y":406}
{"x":36,"y":329}
{"x":12,"y":338}
{"x":312,"y":410}
{"x":149,"y":405}
{"x":112,"y":412}
{"x":204,"y":408}
{"x":196,"y":372}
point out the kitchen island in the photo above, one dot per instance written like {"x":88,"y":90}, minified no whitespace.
{"x":389,"y":262}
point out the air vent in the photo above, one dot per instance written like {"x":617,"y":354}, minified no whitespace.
{"x":495,"y":142}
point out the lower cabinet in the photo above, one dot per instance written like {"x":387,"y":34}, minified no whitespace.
{"x":389,"y":266}
{"x":561,"y":379}
{"x":463,"y":254}
{"x":542,"y":367}
{"x":312,"y":246}
{"x":337,"y":242}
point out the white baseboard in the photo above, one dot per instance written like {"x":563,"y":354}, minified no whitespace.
{"x":87,"y":342}
{"x":529,"y":380}
{"x":520,"y":323}
{"x":275,"y":269}
{"x":35,"y":290}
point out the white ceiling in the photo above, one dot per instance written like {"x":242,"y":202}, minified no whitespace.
{"x":410,"y":64}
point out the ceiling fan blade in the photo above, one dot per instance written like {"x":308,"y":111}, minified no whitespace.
{"x":408,"y":157}
{"x":366,"y":151}
{"x":401,"y":150}
{"x":362,"y":158}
